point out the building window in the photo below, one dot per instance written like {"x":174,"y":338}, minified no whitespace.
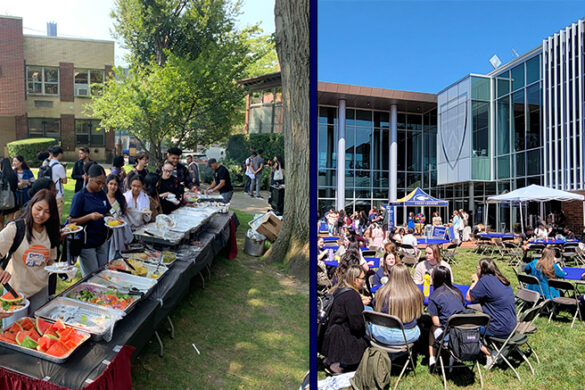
{"x":86,"y":81}
{"x":42,"y":80}
{"x":88,"y":133}
{"x":266,"y":114}
{"x":44,"y":127}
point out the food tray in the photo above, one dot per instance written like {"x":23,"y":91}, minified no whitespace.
{"x":210,"y":198}
{"x":152,"y":259}
{"x":150,"y":267}
{"x":98,"y":288}
{"x":121,"y":281}
{"x":169,"y":239}
{"x":42,"y":355}
{"x":70,"y":311}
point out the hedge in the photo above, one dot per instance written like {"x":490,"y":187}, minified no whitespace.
{"x":239,"y":146}
{"x":29,"y":148}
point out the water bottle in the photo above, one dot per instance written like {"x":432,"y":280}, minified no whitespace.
{"x":330,"y":256}
{"x":427,"y":285}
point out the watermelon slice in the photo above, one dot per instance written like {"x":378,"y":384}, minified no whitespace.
{"x":22,"y":336}
{"x":15,"y":328}
{"x":7,"y":339}
{"x":8,"y":297}
{"x":29,"y":343}
{"x":45,"y":343}
{"x":10,"y":335}
{"x":41,"y":325}
{"x":58,"y":350}
{"x":77,"y":338}
{"x":27,"y":324}
{"x":57,"y":326}
{"x":51,"y":333}
{"x":70,"y":345}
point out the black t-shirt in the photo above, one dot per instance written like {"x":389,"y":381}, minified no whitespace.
{"x":221,"y":173}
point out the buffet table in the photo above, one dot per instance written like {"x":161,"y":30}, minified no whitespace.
{"x":106,"y":365}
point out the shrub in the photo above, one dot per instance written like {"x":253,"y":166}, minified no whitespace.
{"x":29,"y":148}
{"x":205,"y":174}
{"x":239,"y":146}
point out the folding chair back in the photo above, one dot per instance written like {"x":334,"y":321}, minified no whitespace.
{"x":525,"y":279}
{"x":369,"y":253}
{"x":449,"y":254}
{"x":409,"y":259}
{"x":568,"y":299}
{"x":390,"y":321}
{"x":526,"y":299}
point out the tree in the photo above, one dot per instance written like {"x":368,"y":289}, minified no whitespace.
{"x":179,"y":90}
{"x":292,"y":46}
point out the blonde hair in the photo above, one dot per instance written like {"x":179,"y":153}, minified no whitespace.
{"x":348,"y":280}
{"x":546,"y":263}
{"x":400,"y":295}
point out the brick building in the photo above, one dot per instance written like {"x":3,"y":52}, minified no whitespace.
{"x":45,"y":89}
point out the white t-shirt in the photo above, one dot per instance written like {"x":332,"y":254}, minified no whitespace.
{"x":58,"y":173}
{"x":27,"y":265}
{"x":410,"y":239}
{"x":249,"y":172}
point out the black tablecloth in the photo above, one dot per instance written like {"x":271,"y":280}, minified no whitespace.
{"x":91,"y":359}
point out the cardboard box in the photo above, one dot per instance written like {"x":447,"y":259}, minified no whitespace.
{"x":269,"y":227}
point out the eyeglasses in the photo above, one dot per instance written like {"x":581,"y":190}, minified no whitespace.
{"x":167,"y":170}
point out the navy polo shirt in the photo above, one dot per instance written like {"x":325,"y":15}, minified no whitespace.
{"x":443,"y":303}
{"x":497,"y":300}
{"x":85,"y":202}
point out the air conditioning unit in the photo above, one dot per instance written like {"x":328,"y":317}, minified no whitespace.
{"x":81,"y":91}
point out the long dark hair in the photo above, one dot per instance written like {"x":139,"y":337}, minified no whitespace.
{"x":118,"y":194}
{"x":151,"y":183}
{"x":52,"y":224}
{"x":21,"y":160}
{"x":442,"y":276}
{"x":7,"y":171}
{"x":347,"y":260}
{"x":488,"y":267}
{"x":280,"y":162}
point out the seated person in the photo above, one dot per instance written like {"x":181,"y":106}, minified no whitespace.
{"x":399,"y":297}
{"x":568,"y":234}
{"x":541,"y":232}
{"x":410,"y":239}
{"x":344,"y":341}
{"x":432,"y":260}
{"x":398,"y":234}
{"x":445,"y":301}
{"x":322,"y":277}
{"x":495,"y":295}
{"x":544,"y":269}
{"x":390,"y":259}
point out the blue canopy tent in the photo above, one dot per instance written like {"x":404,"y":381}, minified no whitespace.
{"x":418,"y":198}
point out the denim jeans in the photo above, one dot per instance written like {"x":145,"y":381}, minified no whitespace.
{"x":247,"y":183}
{"x":91,"y":259}
{"x":256,"y":184}
{"x":227,"y":196}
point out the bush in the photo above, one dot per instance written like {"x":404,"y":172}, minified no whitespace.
{"x":239,"y":146}
{"x":205,"y":174}
{"x":29,"y":148}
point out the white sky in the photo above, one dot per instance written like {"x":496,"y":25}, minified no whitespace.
{"x":91,"y":18}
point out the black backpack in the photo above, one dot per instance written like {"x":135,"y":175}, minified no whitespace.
{"x":20,"y":231}
{"x":46,"y":171}
{"x":324,"y":305}
{"x":465,"y":343}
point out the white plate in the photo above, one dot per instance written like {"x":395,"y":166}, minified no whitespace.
{"x":56,"y":269}
{"x":107,"y":219}
{"x":79,"y":228}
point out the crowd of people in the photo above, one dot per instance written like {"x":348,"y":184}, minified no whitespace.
{"x":254,"y":167}
{"x":32,"y":210}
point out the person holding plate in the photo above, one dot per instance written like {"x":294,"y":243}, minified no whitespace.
{"x":123,"y":236}
{"x":138,"y":202}
{"x":88,"y":208}
{"x":170,"y":190}
{"x":38,"y":248}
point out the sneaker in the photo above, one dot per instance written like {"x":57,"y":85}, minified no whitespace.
{"x":259,"y":197}
{"x":490,"y":361}
{"x":432,"y":364}
{"x":251,"y":196}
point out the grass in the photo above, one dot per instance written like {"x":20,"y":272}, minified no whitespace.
{"x":559,"y":348}
{"x":250,"y":324}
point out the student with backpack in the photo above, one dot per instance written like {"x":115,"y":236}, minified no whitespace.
{"x":8,"y":187}
{"x":78,"y":173}
{"x":445,"y":301}
{"x":56,"y":172}
{"x":29,"y":244}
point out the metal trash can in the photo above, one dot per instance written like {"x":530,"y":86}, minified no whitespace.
{"x":254,"y":243}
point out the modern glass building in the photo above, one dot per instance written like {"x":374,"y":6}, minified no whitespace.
{"x":483,"y":135}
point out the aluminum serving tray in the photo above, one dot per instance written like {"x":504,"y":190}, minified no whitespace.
{"x":42,"y":355}
{"x":98,"y":287}
{"x":171,"y":240}
{"x":210,"y":198}
{"x":150,"y":267}
{"x":121,"y":281}
{"x":58,"y":308}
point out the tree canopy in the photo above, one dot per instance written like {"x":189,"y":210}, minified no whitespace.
{"x":185,"y":56}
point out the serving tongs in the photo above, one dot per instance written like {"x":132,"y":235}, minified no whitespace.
{"x":9,"y":288}
{"x":122,"y":289}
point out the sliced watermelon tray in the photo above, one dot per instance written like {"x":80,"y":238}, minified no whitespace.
{"x":53,"y":341}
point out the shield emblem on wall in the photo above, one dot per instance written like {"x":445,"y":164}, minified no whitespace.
{"x":453,"y":129}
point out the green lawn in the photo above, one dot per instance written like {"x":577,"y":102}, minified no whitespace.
{"x":559,"y":348}
{"x":250,"y":323}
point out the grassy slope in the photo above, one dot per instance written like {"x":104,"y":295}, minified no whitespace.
{"x":559,"y":348}
{"x":250,"y":324}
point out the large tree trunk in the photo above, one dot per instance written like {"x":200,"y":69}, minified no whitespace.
{"x":292,"y":45}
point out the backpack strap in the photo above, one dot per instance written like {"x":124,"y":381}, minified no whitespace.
{"x":18,"y":237}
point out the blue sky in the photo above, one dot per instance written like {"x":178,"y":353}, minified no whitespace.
{"x":91,"y":18}
{"x":425,"y":46}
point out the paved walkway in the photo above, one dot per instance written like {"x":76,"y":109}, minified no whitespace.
{"x":243,"y":202}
